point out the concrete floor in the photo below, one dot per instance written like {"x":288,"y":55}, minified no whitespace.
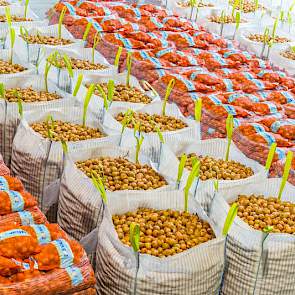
{"x":41,"y":6}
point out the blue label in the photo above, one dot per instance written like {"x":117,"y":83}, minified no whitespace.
{"x":215,"y":99}
{"x":70,"y":7}
{"x":156,"y":23}
{"x":188,"y":38}
{"x":217,"y":57}
{"x":13,"y":233}
{"x":275,"y":126}
{"x":288,"y":96}
{"x":280,"y":153}
{"x":42,"y":233}
{"x":135,"y":26}
{"x":281,"y":74}
{"x":230,"y":109}
{"x":196,"y":51}
{"x":75,"y":274}
{"x":80,"y":2}
{"x":153,"y":60}
{"x":26,"y":218}
{"x":237,"y":122}
{"x":16,"y":200}
{"x":229,"y":53}
{"x":210,"y":130}
{"x":258,"y":128}
{"x":137,"y":12}
{"x":233,"y":97}
{"x":64,"y":250}
{"x":226,"y":71}
{"x":3,"y":184}
{"x":228,"y":84}
{"x":164,"y":51}
{"x":248,"y":75}
{"x":189,"y":85}
{"x":268,"y":137}
{"x":247,"y":54}
{"x":261,"y":63}
{"x":160,"y":72}
{"x":258,"y":83}
{"x":95,"y":24}
{"x":125,"y":41}
{"x":263,"y":94}
{"x":105,"y":9}
{"x":272,"y":107}
{"x":193,"y":95}
{"x":253,"y":97}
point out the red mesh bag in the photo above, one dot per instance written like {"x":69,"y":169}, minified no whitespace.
{"x":29,"y":216}
{"x":12,"y":201}
{"x":266,"y":108}
{"x":290,"y":110}
{"x":3,"y":168}
{"x":252,"y":128}
{"x":58,"y":281}
{"x":10,"y":183}
{"x":284,"y":127}
{"x":15,"y":242}
{"x":267,"y":138}
{"x":60,"y":253}
{"x":280,"y":97}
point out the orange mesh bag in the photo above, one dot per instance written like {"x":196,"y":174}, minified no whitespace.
{"x":4,"y":281}
{"x":45,"y":233}
{"x":17,"y":243}
{"x":13,"y":201}
{"x":10,"y":183}
{"x":27,"y":217}
{"x":58,"y":281}
{"x":8,"y":267}
{"x":60,"y":253}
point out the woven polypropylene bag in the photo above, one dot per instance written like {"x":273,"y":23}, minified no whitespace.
{"x":18,"y":11}
{"x":97,"y":101}
{"x":80,"y":206}
{"x":38,"y":161}
{"x":195,"y":271}
{"x":9,"y":112}
{"x":152,"y":139}
{"x":215,"y":148}
{"x":61,"y":76}
{"x":33,"y":52}
{"x":249,"y":269}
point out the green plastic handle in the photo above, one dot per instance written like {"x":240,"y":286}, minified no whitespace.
{"x":98,"y":183}
{"x":86,"y":102}
{"x":134,"y":236}
{"x":118,"y":55}
{"x":190,"y":180}
{"x":181,"y":166}
{"x":198,"y":110}
{"x":86,"y":32}
{"x":229,"y":131}
{"x":287,"y":168}
{"x":64,"y":146}
{"x":232,"y":213}
{"x":270,"y":156}
{"x":2,"y":90}
{"x":78,"y":85}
